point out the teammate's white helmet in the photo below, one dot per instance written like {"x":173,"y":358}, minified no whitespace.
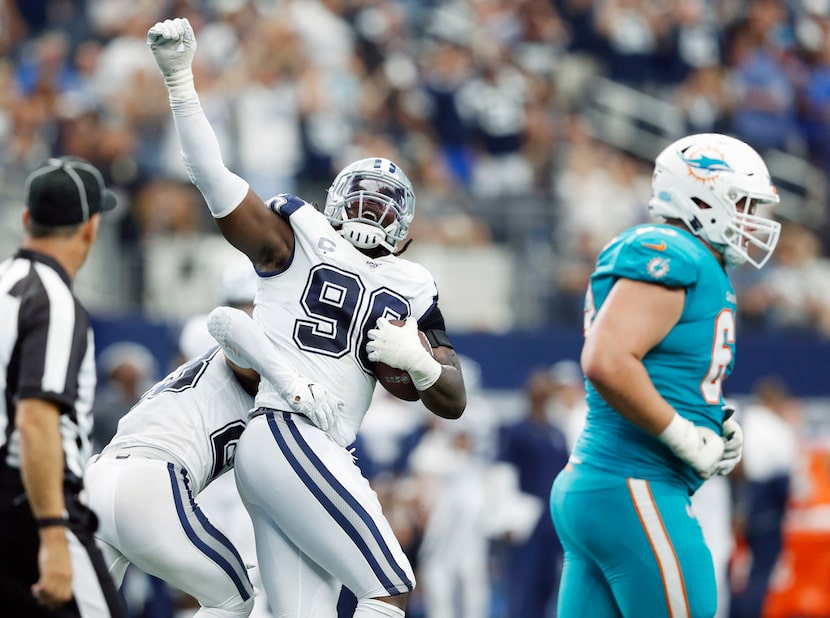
{"x":375,"y":181}
{"x":709,"y":181}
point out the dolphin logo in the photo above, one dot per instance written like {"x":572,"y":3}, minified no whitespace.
{"x":704,"y":162}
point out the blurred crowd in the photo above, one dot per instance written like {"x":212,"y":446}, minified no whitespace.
{"x":482,"y":101}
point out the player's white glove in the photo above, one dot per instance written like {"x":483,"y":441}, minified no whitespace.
{"x":312,"y":401}
{"x":245,"y":343}
{"x":700,"y":447}
{"x":400,"y":346}
{"x":174,"y":45}
{"x":733,"y":441}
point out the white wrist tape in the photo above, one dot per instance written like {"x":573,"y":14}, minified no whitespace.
{"x":678,"y":432}
{"x":223,"y":190}
{"x":180,"y":86}
{"x":425,"y":372}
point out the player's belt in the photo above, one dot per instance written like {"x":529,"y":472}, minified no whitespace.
{"x":276,"y":412}
{"x":139,"y":451}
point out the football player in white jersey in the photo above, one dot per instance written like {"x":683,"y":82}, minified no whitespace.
{"x":329,"y":283}
{"x":176,"y":440}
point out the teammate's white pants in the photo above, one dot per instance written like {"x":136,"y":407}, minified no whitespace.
{"x":317,"y":521}
{"x":149,"y":517}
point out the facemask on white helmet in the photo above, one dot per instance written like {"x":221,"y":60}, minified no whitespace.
{"x":713,"y":183}
{"x":371,"y":203}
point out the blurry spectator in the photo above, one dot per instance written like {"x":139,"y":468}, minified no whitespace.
{"x":706,"y":100}
{"x":599,"y":193}
{"x":128,"y":370}
{"x":538,"y":450}
{"x":567,"y":408}
{"x":237,"y":288}
{"x":631,"y":30}
{"x":769,"y":457}
{"x":494,"y":106}
{"x":793,"y":293}
{"x":447,"y":67}
{"x":269,"y":149}
{"x":813,"y":37}
{"x":453,"y":556}
{"x":444,"y":213}
{"x":388,"y":424}
{"x":45,"y":65}
{"x":764,"y":108}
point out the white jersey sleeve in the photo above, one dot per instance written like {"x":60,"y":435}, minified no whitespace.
{"x":318,"y":310}
{"x":193,"y":417}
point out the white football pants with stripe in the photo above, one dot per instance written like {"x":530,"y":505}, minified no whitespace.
{"x":149,"y":517}
{"x":317,"y":522}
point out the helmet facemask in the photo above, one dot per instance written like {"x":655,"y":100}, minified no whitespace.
{"x":371,"y":203}
{"x":749,"y":237}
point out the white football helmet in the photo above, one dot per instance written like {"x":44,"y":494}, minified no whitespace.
{"x":713,"y":183}
{"x":383,"y":185}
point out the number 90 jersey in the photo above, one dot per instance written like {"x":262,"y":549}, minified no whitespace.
{"x":687,"y":366}
{"x":318,"y":309}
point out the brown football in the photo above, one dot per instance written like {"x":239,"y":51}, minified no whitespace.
{"x":397,"y":381}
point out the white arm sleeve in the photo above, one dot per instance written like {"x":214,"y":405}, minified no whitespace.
{"x":242,"y":339}
{"x":223,"y":190}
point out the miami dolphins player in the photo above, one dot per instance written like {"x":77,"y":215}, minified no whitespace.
{"x":659,"y":340}
{"x":329,"y":284}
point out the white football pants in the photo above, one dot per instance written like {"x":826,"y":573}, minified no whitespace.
{"x":317,"y":522}
{"x":149,"y":517}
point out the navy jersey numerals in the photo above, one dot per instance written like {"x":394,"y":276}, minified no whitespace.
{"x":341,"y":311}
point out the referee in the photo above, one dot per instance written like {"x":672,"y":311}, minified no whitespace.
{"x":49,"y":563}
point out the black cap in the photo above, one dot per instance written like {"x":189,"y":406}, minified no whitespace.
{"x":66,"y":191}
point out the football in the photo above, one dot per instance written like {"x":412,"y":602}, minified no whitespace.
{"x":397,"y":381}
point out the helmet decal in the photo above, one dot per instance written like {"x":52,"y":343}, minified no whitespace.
{"x":703,"y":166}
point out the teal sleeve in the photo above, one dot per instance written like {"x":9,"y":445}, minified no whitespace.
{"x":657,"y":257}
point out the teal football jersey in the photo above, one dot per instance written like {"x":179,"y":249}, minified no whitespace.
{"x":687,"y":366}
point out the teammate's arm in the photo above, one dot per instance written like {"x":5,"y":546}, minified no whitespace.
{"x":245,"y":344}
{"x":41,"y":469}
{"x":239,"y":212}
{"x":634,"y":318}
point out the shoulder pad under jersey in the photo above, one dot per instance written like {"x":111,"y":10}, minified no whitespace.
{"x":656,"y":254}
{"x":285,"y":204}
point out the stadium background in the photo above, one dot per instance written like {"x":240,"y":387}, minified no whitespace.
{"x":527,"y":126}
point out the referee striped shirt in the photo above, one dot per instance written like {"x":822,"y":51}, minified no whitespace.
{"x":46,"y":352}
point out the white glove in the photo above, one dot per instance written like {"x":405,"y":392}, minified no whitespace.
{"x":312,"y":401}
{"x":246,"y":344}
{"x":699,"y":447}
{"x":400,"y":346}
{"x":174,"y":45}
{"x":733,"y":441}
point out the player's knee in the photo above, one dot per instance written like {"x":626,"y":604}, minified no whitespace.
{"x":388,"y":607}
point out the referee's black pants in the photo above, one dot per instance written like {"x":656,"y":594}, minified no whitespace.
{"x":19,"y":544}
